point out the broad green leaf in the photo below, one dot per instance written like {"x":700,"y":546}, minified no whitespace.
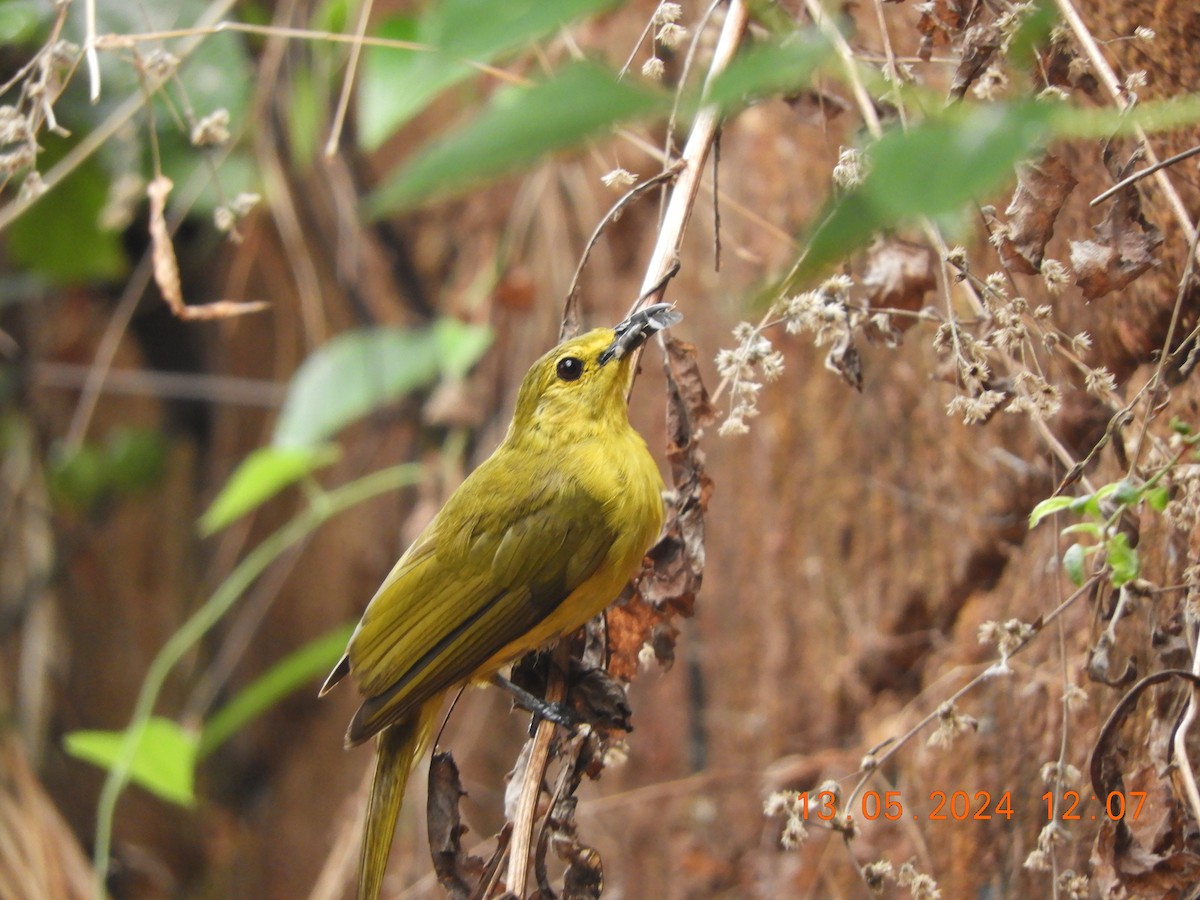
{"x":769,"y":69}
{"x":391,"y":90}
{"x":305,"y":117}
{"x":358,"y":372}
{"x":332,"y":15}
{"x":1091,"y":529}
{"x":1037,"y":23}
{"x":1123,"y":559}
{"x":933,"y":169}
{"x":60,"y":237}
{"x":519,"y":126}
{"x":20,"y":21}
{"x":962,"y":154}
{"x":80,"y":480}
{"x":164,"y":763}
{"x":1158,"y":497}
{"x":1088,"y":505}
{"x":297,"y":670}
{"x":1048,"y":507}
{"x":1073,"y":561}
{"x":129,"y":460}
{"x":1126,"y":493}
{"x":460,"y":345}
{"x":137,"y":458}
{"x":262,"y":475}
{"x":1160,"y":115}
{"x":397,"y":84}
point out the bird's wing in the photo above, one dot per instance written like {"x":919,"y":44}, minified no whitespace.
{"x":472,"y":585}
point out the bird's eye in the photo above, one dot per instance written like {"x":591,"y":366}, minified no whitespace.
{"x":569,"y":368}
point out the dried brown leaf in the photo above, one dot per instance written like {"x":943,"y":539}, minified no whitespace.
{"x":1042,"y":188}
{"x":939,"y":21}
{"x":667,"y":586}
{"x":1124,"y":245}
{"x":584,"y":878}
{"x":844,"y":359}
{"x":898,"y":275}
{"x":457,"y":873}
{"x":631,"y":626}
{"x":166,"y":266}
{"x":980,"y":43}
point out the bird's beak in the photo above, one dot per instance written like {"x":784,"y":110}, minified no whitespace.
{"x":632,"y":333}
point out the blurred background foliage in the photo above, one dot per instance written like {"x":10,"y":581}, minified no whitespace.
{"x":193,"y":510}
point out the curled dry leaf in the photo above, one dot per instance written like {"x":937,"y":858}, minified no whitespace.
{"x":457,"y":873}
{"x":940,"y":21}
{"x":668,"y":584}
{"x":1042,"y":188}
{"x":980,"y":43}
{"x":844,"y":359}
{"x":1147,"y":854}
{"x":166,"y":266}
{"x":1124,"y":245}
{"x":898,"y":275}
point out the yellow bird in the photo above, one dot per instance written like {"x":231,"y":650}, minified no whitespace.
{"x":537,"y":540}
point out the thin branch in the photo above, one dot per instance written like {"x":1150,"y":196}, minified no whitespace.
{"x":877,"y":755}
{"x":531,"y":786}
{"x":1179,"y":741}
{"x":339,"y":118}
{"x":89,"y":50}
{"x":223,"y":389}
{"x":1139,"y":175}
{"x":695,"y":152}
{"x":1109,"y":78}
{"x":610,"y":217}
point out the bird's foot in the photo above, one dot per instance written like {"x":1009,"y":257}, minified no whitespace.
{"x":558,"y":713}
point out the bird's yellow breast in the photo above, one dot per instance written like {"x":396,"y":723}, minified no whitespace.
{"x":619,"y":471}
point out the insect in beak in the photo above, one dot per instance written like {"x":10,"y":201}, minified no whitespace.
{"x":634,"y":331}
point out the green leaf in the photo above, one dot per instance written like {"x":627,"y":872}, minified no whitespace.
{"x":296,"y":670}
{"x":20,"y":21}
{"x":1158,"y":497}
{"x":1037,"y":23}
{"x":137,"y":459}
{"x":164,"y":764}
{"x":1126,"y":493}
{"x":305,"y":117}
{"x":519,"y":126}
{"x":1091,"y":529}
{"x":971,"y":148}
{"x":397,"y":84}
{"x":262,"y":475}
{"x":1179,"y":426}
{"x":1048,"y":507}
{"x":391,"y":90}
{"x":128,"y":461}
{"x":358,"y":372}
{"x":1123,"y":560}
{"x":1073,"y":561}
{"x":60,"y":237}
{"x":460,"y":345}
{"x":80,"y":480}
{"x":770,"y":69}
{"x":1088,"y":505}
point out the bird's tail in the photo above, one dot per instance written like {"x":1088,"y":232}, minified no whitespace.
{"x":396,"y":752}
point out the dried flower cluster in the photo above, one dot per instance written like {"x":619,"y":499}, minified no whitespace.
{"x":951,"y":723}
{"x":668,"y":33}
{"x":788,"y":805}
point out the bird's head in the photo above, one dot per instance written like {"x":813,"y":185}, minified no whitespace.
{"x":583,"y":381}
